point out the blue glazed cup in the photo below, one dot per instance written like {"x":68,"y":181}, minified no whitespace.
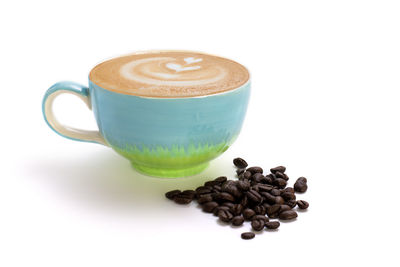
{"x":163,"y":137}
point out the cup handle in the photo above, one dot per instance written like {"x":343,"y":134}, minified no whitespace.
{"x":69,"y":132}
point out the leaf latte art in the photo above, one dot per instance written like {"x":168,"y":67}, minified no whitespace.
{"x":169,"y":74}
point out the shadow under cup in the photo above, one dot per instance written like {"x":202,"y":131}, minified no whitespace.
{"x":163,"y":137}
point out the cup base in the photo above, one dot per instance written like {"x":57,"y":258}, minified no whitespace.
{"x":170,"y":173}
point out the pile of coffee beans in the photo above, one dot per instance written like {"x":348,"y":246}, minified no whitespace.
{"x":253,"y":197}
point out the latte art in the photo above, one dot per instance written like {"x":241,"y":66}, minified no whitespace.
{"x":163,"y":71}
{"x":169,"y":74}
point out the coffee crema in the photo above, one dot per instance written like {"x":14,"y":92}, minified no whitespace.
{"x":169,"y":74}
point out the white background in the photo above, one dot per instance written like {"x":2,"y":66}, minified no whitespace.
{"x":325,"y":103}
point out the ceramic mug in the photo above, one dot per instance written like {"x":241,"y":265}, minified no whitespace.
{"x":163,"y":137}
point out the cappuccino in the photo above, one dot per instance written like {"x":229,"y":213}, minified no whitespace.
{"x":169,"y":74}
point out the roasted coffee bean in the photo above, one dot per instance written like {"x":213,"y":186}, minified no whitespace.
{"x":210,"y":206}
{"x":182,"y":199}
{"x":300,"y":185}
{"x":225,"y":215}
{"x":254,"y":186}
{"x":268,"y":179}
{"x":255,"y":169}
{"x":243,"y":185}
{"x":217,"y":209}
{"x":265,"y":205}
{"x":268,"y":198}
{"x":240,"y":171}
{"x":265,"y":187}
{"x":248,"y":214}
{"x":259,"y":210}
{"x":288,"y":189}
{"x":240,"y":163}
{"x":272,"y":211}
{"x":274,"y":216}
{"x":231,"y":188}
{"x":254,"y":196}
{"x":246,"y":175}
{"x":203,"y":190}
{"x":260,"y":217}
{"x":291,"y":203}
{"x":288,"y":196}
{"x":272,"y":225}
{"x":302,"y":179}
{"x":172,"y":194}
{"x":284,"y":208}
{"x":237,"y":220}
{"x":279,"y":182}
{"x":264,"y":180}
{"x":244,"y":202}
{"x":221,"y":179}
{"x":282,"y":176}
{"x":237,"y":209}
{"x":281,"y":169}
{"x":227,"y":184}
{"x":302,"y":204}
{"x":204,"y":198}
{"x":279,"y":175}
{"x":236,"y":193}
{"x":217,"y":188}
{"x":248,"y":235}
{"x":271,"y":175}
{"x":257,"y":225}
{"x":189,"y":193}
{"x":224,"y":196}
{"x":224,"y":207}
{"x":211,"y":183}
{"x":275,"y":192}
{"x":279,"y":200}
{"x":288,"y":215}
{"x":229,"y":205}
{"x":257,"y":177}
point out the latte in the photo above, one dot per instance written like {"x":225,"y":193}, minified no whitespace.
{"x":169,"y":74}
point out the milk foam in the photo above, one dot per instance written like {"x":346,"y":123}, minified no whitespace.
{"x":157,"y":71}
{"x":169,"y":74}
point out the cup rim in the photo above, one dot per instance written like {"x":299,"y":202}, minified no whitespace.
{"x":172,"y":50}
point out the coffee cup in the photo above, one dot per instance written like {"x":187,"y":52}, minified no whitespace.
{"x":168,"y":112}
